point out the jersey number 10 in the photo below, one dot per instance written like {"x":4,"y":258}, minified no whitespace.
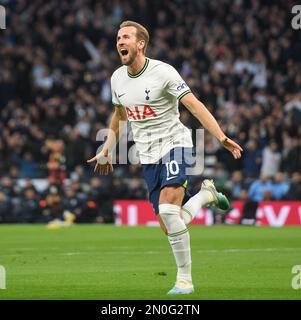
{"x":172,"y":168}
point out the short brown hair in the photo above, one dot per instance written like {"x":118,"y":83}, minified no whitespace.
{"x":141,"y":32}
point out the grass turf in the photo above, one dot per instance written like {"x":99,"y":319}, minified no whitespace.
{"x":108,"y":262}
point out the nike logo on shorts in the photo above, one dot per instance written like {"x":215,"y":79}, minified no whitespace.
{"x":169,"y":178}
{"x":120,"y":95}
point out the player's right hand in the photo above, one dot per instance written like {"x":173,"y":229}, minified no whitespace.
{"x":233,"y":147}
{"x":103,"y":162}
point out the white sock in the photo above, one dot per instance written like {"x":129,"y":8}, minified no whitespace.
{"x":178,"y":237}
{"x":194,"y":204}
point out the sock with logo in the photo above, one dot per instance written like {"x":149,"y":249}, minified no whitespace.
{"x":178,"y":237}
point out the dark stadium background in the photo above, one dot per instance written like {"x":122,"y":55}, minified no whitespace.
{"x":241,"y":58}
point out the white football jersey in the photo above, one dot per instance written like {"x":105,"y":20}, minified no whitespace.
{"x":151,"y":100}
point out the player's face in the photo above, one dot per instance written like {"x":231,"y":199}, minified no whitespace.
{"x":127,"y":45}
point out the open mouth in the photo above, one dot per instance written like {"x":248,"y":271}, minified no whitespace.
{"x":124,"y":52}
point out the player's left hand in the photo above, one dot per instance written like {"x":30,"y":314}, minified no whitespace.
{"x":233,"y":147}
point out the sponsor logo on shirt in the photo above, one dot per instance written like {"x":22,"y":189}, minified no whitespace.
{"x":136,"y":114}
{"x":181,"y":86}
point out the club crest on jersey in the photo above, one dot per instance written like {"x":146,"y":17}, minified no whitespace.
{"x":147,"y":92}
{"x":138,"y":115}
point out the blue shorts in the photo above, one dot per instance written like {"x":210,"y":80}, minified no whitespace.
{"x":169,"y":170}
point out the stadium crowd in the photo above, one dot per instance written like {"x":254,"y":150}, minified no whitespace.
{"x":241,"y":58}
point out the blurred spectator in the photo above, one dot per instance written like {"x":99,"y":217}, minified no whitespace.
{"x":28,"y":211}
{"x":75,"y":149}
{"x":294,"y":191}
{"x":251,"y":159}
{"x":271,"y":158}
{"x":137,"y":189}
{"x":238,"y":186}
{"x":52,"y":207}
{"x":280,"y":186}
{"x":99,"y":202}
{"x":71,"y":202}
{"x":120,"y":189}
{"x":260,"y":189}
{"x":291,"y":161}
{"x":57,"y":162}
{"x":28,"y":168}
{"x":7,"y":187}
{"x":79,"y":174}
{"x":5,"y":208}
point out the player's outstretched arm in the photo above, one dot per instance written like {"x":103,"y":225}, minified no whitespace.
{"x":199,"y":111}
{"x":103,"y":158}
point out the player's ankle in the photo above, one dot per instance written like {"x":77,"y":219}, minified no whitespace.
{"x":184,"y":283}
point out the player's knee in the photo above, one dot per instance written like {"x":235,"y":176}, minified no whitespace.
{"x":170,"y":215}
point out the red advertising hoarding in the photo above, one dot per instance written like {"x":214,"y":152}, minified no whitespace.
{"x":279,"y":213}
{"x":269,"y":213}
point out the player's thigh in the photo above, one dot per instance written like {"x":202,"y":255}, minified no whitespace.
{"x":172,"y":194}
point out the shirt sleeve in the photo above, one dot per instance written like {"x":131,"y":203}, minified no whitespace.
{"x":175,"y":85}
{"x":115,"y":100}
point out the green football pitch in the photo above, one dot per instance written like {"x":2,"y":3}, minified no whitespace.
{"x":107,"y":262}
